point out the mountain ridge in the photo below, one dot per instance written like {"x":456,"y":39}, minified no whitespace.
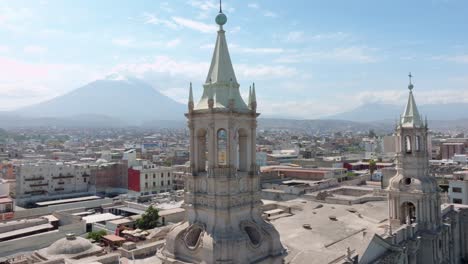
{"x":130,"y":100}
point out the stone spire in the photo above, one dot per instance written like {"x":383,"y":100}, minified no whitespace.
{"x":221,"y":89}
{"x":411,"y":117}
{"x":190,"y":100}
{"x":221,"y":70}
{"x":253,"y":98}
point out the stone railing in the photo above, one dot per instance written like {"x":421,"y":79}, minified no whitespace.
{"x":401,"y":234}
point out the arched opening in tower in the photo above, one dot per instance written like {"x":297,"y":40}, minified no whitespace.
{"x":201,"y":150}
{"x":418,"y":143}
{"x":222,"y":147}
{"x":242,"y":149}
{"x":408,"y":148}
{"x":408,"y":213}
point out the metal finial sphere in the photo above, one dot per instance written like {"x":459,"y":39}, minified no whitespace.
{"x":221,"y":19}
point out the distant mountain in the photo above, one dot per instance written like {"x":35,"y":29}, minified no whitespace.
{"x":379,"y":112}
{"x":131,"y":101}
{"x":90,"y":121}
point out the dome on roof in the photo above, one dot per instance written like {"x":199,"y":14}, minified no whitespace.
{"x":69,"y":245}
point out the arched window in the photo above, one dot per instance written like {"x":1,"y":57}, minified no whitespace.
{"x":201,"y":150}
{"x":222,"y":147}
{"x":418,"y":143}
{"x":242,"y":149}
{"x":408,"y":144}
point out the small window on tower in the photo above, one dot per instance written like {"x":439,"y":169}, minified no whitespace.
{"x":418,"y":143}
{"x":222,"y":147}
{"x":408,"y":144}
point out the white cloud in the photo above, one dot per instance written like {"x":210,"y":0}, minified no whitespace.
{"x":195,"y":25}
{"x":300,"y":36}
{"x":253,"y":5}
{"x":260,"y":50}
{"x":306,"y":109}
{"x":234,"y":30}
{"x":455,"y":58}
{"x":207,"y":8}
{"x":34,"y":49}
{"x":295,"y":36}
{"x":399,"y":97}
{"x":132,"y":43}
{"x":270,"y":14}
{"x":4,"y":48}
{"x":173,"y":43}
{"x":264,"y":72}
{"x":166,"y":7}
{"x":189,"y":69}
{"x":13,"y":19}
{"x":154,"y":20}
{"x":125,"y":42}
{"x":238,"y":49}
{"x":347,"y":54}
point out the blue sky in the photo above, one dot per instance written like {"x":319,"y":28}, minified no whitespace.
{"x":307,"y":58}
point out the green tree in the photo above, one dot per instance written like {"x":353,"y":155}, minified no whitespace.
{"x":372,"y":166}
{"x":96,"y":235}
{"x":149,"y":219}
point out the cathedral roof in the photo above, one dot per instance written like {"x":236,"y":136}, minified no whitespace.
{"x":221,"y":83}
{"x":411,"y":117}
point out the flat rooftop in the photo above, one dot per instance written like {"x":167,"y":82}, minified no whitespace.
{"x":329,"y":239}
{"x":25,"y":231}
{"x":101,"y":218}
{"x":71,"y":200}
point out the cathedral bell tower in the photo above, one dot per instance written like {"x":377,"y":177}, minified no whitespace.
{"x":413,"y":194}
{"x":222,"y":193}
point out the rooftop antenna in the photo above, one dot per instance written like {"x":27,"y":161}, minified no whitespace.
{"x":220,"y":7}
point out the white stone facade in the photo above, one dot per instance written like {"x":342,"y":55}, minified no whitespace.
{"x":155,"y":179}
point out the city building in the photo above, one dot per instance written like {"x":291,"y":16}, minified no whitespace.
{"x":151,"y":179}
{"x":110,"y":177}
{"x":458,"y":188}
{"x":451,"y":149}
{"x":222,"y":195}
{"x":48,"y":180}
{"x":6,"y":208}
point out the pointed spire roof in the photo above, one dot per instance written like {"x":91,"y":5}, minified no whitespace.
{"x":221,"y":70}
{"x":190,"y":94}
{"x":411,"y":116}
{"x":221,"y":83}
{"x":252,"y":96}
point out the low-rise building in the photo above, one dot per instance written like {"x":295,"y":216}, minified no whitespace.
{"x":458,"y":188}
{"x":51,"y":180}
{"x":151,"y":179}
{"x":6,"y":208}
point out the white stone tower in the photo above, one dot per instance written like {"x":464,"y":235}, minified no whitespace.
{"x":413,"y":194}
{"x":222,"y":194}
